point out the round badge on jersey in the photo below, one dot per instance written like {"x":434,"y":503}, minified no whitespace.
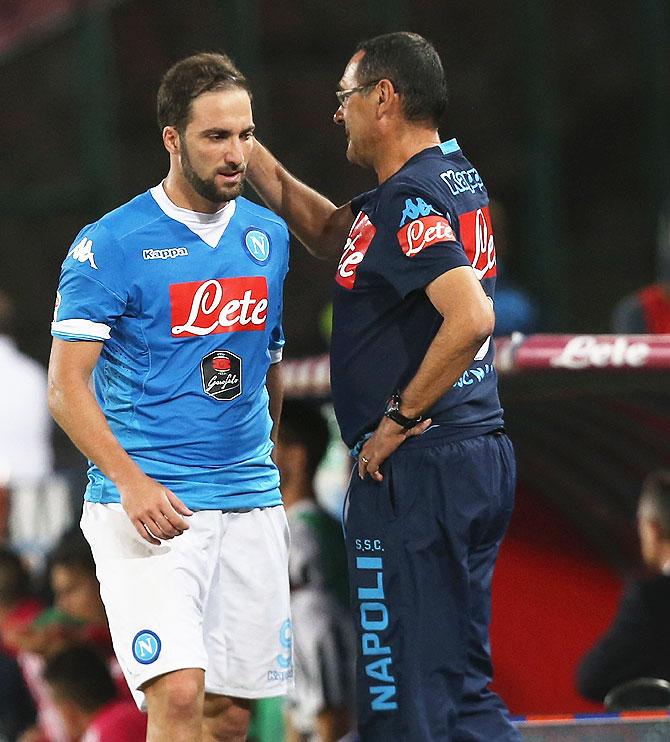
{"x":257,"y":244}
{"x":146,"y":647}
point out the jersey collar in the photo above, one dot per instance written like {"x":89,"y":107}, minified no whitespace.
{"x":449,"y":147}
{"x":209,"y":227}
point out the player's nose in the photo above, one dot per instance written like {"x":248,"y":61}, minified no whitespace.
{"x":338,"y":116}
{"x":235,"y":153}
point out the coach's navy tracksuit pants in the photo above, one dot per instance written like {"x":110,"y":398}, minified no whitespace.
{"x":422,"y":546}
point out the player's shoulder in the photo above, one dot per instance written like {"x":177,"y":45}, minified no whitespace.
{"x":105,"y":236}
{"x":131,"y":216}
{"x":118,"y":223}
{"x":259,"y":213}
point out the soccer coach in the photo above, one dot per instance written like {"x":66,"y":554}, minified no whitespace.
{"x":415,"y":393}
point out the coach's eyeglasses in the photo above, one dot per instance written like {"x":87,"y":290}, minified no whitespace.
{"x":344,"y":95}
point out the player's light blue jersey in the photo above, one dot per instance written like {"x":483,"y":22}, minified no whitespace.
{"x":190,"y":320}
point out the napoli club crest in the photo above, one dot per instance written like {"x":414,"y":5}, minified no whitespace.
{"x":221,"y":373}
{"x":146,"y":646}
{"x":257,"y":244}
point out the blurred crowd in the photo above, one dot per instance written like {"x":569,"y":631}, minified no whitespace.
{"x":59,"y":678}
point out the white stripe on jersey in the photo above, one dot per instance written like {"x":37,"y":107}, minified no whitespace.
{"x":82,"y":328}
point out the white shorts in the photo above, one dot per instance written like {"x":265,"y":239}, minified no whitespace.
{"x":215,"y":597}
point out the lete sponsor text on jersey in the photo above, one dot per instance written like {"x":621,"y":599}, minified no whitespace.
{"x":219,"y":305}
{"x":422,"y":226}
{"x":360,"y":236}
{"x":477,"y":240}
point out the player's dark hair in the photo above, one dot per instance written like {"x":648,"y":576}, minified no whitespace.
{"x":14,"y":578}
{"x":303,"y":423}
{"x":413,"y":66}
{"x":81,"y":675}
{"x":656,"y":498}
{"x":73,"y":551}
{"x":189,"y":78}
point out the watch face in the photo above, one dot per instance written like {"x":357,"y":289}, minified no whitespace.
{"x":393,"y":403}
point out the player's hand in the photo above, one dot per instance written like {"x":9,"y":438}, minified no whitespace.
{"x":153,"y":509}
{"x":382,"y":443}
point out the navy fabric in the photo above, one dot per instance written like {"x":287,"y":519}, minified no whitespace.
{"x":422,"y":546}
{"x":430,"y":217}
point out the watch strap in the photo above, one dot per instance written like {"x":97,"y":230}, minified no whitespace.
{"x":393,"y":413}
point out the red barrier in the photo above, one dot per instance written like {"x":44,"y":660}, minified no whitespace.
{"x":310,"y":377}
{"x":582,"y":352}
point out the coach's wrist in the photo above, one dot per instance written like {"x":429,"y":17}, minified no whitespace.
{"x":399,"y":414}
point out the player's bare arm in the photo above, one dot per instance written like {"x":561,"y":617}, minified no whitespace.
{"x":468,"y":321}
{"x":153,"y":509}
{"x":321,"y":226}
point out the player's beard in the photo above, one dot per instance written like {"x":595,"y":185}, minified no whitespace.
{"x":207,"y":188}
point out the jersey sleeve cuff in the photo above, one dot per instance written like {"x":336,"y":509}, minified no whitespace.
{"x":80,"y":329}
{"x":276,"y":355}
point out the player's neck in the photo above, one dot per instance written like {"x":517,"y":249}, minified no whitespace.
{"x":181,"y":194}
{"x":407,"y":141}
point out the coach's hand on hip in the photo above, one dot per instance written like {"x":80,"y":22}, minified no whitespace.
{"x":153,"y":509}
{"x":382,"y":443}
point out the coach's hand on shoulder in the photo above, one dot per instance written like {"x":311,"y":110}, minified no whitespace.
{"x":382,"y":443}
{"x":153,"y":509}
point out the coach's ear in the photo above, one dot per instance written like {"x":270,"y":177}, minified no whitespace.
{"x":171,"y":140}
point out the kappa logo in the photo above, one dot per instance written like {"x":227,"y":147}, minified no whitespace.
{"x":146,"y":647}
{"x":165,"y":253}
{"x":83,"y":252}
{"x":463,"y":180}
{"x":415,"y":209}
{"x":258,"y":245}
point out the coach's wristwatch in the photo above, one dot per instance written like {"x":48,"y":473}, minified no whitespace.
{"x":392,"y":411}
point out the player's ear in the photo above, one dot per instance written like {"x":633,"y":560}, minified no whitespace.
{"x":171,"y":140}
